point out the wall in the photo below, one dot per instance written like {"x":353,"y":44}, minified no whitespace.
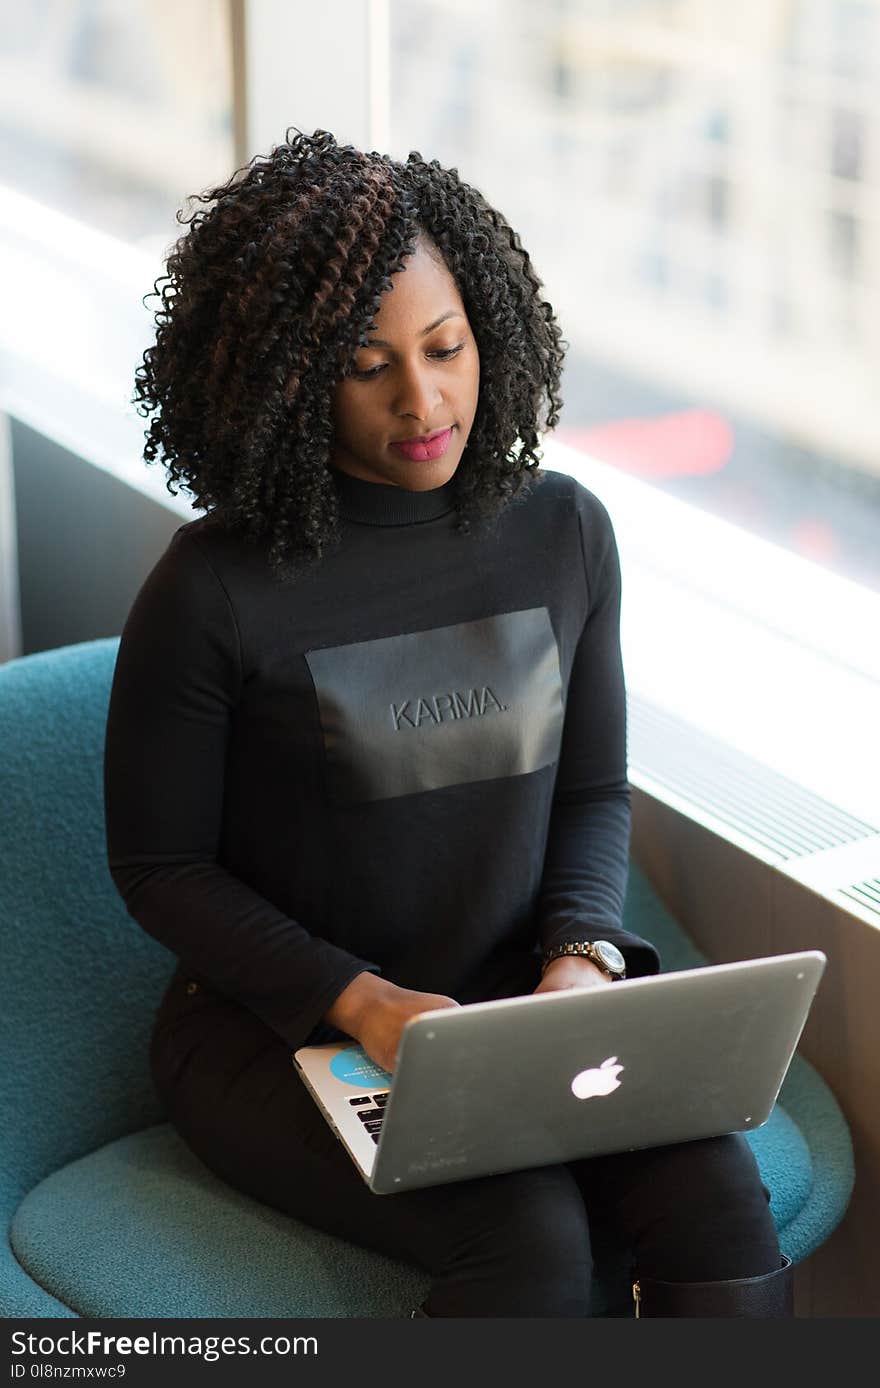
{"x":85,"y":543}
{"x":735,"y":907}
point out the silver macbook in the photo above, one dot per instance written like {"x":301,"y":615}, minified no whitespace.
{"x":551,"y":1077}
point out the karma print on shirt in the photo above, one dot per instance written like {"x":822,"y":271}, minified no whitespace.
{"x":414,"y":712}
{"x":452,"y":705}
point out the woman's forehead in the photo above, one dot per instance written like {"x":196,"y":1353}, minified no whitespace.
{"x":421,"y":292}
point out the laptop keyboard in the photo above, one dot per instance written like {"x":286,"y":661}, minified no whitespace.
{"x":371,"y":1111}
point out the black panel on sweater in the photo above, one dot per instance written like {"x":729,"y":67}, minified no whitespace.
{"x":469,"y":702}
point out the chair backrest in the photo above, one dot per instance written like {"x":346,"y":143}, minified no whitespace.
{"x":80,"y":979}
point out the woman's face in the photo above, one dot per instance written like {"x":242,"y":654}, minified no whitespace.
{"x":418,"y":376}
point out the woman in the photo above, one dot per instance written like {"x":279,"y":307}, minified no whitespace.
{"x":366,"y":747}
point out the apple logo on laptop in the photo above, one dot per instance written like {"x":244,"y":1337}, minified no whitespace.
{"x":601,"y":1080}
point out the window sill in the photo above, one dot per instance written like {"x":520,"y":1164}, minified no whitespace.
{"x":741,"y":640}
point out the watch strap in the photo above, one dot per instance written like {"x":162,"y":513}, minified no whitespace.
{"x":581,"y":949}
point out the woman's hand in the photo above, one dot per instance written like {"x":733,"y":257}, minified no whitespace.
{"x":374,"y":1012}
{"x":570,"y":971}
{"x":380,"y":1030}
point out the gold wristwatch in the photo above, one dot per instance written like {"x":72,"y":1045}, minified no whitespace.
{"x":602,"y":953}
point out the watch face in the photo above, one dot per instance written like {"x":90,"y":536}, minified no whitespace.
{"x":610,"y":956}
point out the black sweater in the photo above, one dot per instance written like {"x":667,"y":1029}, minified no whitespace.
{"x":412,"y":760}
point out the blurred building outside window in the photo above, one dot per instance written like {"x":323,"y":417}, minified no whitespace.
{"x":114,"y":111}
{"x":698,"y":184}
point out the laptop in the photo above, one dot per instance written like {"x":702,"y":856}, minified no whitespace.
{"x":552,"y":1077}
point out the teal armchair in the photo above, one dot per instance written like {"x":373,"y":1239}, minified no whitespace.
{"x":107,"y":1212}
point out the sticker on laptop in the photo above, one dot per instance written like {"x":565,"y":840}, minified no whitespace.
{"x":353,"y":1066}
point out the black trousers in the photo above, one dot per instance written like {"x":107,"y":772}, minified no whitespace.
{"x":516,"y":1244}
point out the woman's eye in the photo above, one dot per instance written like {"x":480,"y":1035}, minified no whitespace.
{"x":441,"y":353}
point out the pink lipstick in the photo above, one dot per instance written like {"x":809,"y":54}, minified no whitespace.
{"x":424,"y":449}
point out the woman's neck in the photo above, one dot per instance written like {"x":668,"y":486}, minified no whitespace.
{"x":381,"y":503}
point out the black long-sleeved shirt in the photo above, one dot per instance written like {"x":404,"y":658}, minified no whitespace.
{"x":411,"y":760}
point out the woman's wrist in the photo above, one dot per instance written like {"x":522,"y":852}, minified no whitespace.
{"x":571,"y":969}
{"x":364,"y":991}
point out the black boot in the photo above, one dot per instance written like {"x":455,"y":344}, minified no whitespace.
{"x":419,"y":1314}
{"x":770,"y":1297}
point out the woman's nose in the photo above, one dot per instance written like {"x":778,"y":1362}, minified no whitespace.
{"x":417,"y":394}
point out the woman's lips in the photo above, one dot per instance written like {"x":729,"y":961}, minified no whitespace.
{"x":426,"y":449}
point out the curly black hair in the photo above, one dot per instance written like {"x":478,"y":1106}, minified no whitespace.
{"x":265,"y":302}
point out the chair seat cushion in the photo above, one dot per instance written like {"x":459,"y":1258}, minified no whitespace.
{"x":141,"y":1227}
